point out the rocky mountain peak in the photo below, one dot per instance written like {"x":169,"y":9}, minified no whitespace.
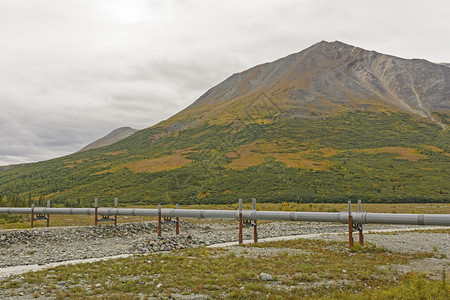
{"x":330,"y":76}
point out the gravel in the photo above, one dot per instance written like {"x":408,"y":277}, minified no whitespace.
{"x":22,"y":249}
{"x":48,"y":245}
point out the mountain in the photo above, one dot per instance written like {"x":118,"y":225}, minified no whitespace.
{"x":111,"y":138}
{"x":331,"y":123}
{"x":334,"y":77}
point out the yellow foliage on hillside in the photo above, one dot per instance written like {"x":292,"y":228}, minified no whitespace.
{"x":74,"y":163}
{"x":403,"y":153}
{"x":254,"y":154}
{"x":165,"y":163}
{"x":434,"y":148}
{"x":246,"y":157}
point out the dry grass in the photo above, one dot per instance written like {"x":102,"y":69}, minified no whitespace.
{"x":246,"y":157}
{"x":295,"y":160}
{"x":256,"y":152}
{"x":165,"y":163}
{"x":328,"y":152}
{"x":434,"y":148}
{"x":403,"y":153}
{"x":75,"y":163}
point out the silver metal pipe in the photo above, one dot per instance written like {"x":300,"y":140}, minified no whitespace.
{"x":338,"y":217}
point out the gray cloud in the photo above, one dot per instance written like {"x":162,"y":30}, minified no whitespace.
{"x":72,"y":71}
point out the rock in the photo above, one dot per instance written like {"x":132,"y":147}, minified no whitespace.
{"x":265,"y":277}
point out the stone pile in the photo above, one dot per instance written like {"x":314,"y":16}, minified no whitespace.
{"x":43,"y":236}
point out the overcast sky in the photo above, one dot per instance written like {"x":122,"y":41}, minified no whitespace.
{"x":71,"y":71}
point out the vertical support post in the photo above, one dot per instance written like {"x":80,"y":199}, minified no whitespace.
{"x":350,"y":226}
{"x":96,"y":211}
{"x":32,"y":215}
{"x":240,"y":221}
{"x":116,"y":204}
{"x":255,"y":227}
{"x":177,"y":220}
{"x":159,"y":220}
{"x":360,"y":227}
{"x":48,"y":215}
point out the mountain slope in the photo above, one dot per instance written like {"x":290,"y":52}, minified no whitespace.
{"x":334,"y":76}
{"x":111,"y":138}
{"x":330,"y":123}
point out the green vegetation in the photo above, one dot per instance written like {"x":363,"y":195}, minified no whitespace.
{"x":375,"y":157}
{"x":413,"y":286}
{"x":300,"y":269}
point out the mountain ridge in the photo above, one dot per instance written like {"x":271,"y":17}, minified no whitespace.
{"x":342,"y":74}
{"x":328,"y":124}
{"x":111,"y":138}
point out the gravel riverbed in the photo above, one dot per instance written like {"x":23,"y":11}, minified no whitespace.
{"x":48,"y":245}
{"x":31,"y":249}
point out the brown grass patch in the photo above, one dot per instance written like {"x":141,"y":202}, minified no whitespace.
{"x":74,"y":163}
{"x":437,"y":149}
{"x":254,"y":154}
{"x":403,"y":153}
{"x":246,"y":157}
{"x":165,"y":163}
{"x":232,"y":154}
{"x":328,"y":152}
{"x":434,"y":148}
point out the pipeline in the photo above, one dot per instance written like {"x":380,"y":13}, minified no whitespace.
{"x":337,"y":217}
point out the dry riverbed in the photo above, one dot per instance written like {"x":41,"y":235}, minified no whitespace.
{"x":46,"y":246}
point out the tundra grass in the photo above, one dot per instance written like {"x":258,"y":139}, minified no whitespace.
{"x":373,"y":156}
{"x":300,"y":269}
